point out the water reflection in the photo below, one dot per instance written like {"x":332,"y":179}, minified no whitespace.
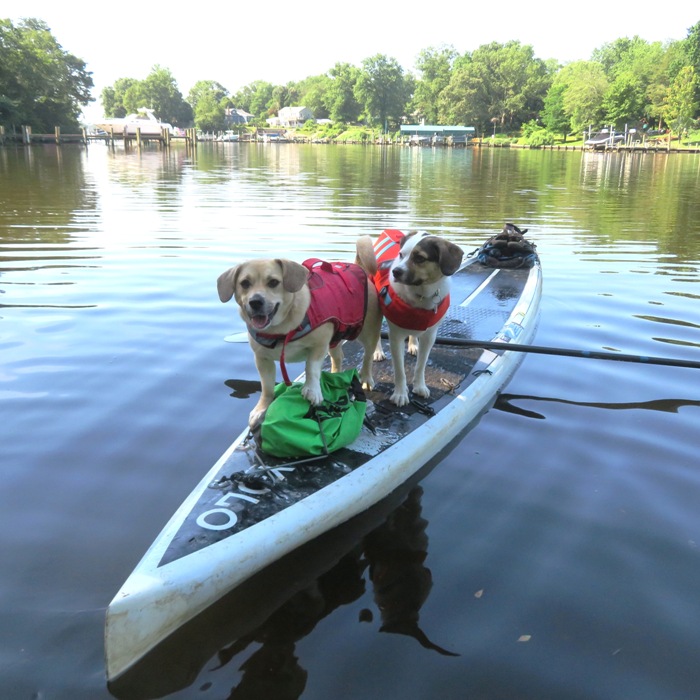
{"x":243,"y":388}
{"x":44,"y":196}
{"x":272,"y":612}
{"x":154,"y":170}
{"x":597,"y":198}
{"x":506,"y":403}
{"x":123,"y":398}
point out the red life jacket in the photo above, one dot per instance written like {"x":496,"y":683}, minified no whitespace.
{"x":394,"y":308}
{"x":338,"y":295}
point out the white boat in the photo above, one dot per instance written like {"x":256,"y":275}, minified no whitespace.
{"x":144,"y":120}
{"x":228,"y":136}
{"x":250,"y":510}
{"x":273,"y":138}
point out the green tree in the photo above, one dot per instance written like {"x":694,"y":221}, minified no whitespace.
{"x":210,"y":114}
{"x":691,"y":46}
{"x":639,"y":74}
{"x":340,"y":100}
{"x":284,"y":96}
{"x":618,"y":55}
{"x":586,"y":86}
{"x":165,"y":98}
{"x":256,"y":98}
{"x":312,"y":93}
{"x":206,"y":89}
{"x":680,"y":103}
{"x":209,"y":100}
{"x":435,"y":68}
{"x":553,"y":115}
{"x":158,"y":92}
{"x":41,"y":84}
{"x":498,"y":81}
{"x":113,"y":97}
{"x":669,"y":63}
{"x":624,"y":101}
{"x":383,"y":89}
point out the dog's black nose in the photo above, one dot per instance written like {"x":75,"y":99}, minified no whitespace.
{"x":398,"y":273}
{"x":256,"y":302}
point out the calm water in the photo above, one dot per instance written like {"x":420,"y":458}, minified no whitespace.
{"x":555,"y":549}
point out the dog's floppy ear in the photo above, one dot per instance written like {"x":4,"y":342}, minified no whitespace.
{"x":294,"y":275}
{"x":450,"y":257}
{"x":226,"y":284}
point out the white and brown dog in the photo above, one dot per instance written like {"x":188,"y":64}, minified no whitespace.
{"x":413,"y":284}
{"x":302,"y":312}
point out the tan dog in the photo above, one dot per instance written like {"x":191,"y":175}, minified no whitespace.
{"x":414,"y":286}
{"x":301,"y":312}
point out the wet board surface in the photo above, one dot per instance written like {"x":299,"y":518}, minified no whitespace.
{"x":251,"y":509}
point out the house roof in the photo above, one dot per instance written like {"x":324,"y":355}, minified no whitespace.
{"x":287,"y":112}
{"x":241,"y":112}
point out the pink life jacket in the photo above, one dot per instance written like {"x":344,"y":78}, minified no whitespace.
{"x":338,"y":295}
{"x":394,"y":308}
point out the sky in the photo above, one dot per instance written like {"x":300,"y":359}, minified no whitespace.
{"x":281,"y":42}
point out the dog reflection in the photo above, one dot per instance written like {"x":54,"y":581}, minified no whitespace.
{"x":273,"y":671}
{"x":394,"y":557}
{"x":396,"y":553}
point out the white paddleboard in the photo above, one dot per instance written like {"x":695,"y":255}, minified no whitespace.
{"x":248,"y":511}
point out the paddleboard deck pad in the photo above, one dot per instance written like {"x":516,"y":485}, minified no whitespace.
{"x":251,"y":509}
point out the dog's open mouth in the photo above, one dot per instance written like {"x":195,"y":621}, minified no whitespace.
{"x":261,"y":320}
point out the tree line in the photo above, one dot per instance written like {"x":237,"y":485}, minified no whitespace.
{"x":628,"y":82}
{"x":41,"y":84}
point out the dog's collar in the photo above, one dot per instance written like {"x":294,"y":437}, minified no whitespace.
{"x":270,"y":340}
{"x":433,"y":298}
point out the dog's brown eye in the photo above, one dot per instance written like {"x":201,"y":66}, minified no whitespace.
{"x":273,"y":283}
{"x":419,"y":259}
{"x":245,"y":284}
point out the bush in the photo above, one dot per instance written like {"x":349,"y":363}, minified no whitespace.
{"x":356,"y":133}
{"x":536,"y":138}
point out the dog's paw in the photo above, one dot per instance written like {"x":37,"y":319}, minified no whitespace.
{"x":399,"y":398}
{"x":421,"y":390}
{"x":312,"y":394}
{"x":412,"y":345}
{"x":379,"y":355}
{"x":256,"y":417}
{"x":368,"y":384}
{"x":258,"y":413}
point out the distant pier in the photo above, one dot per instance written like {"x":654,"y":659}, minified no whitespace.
{"x":190,"y":137}
{"x":130,"y":140}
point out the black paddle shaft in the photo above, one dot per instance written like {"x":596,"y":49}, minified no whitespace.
{"x":568,"y":352}
{"x":538,"y":350}
{"x":563,"y":352}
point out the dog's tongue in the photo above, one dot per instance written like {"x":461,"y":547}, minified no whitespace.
{"x":260,"y":321}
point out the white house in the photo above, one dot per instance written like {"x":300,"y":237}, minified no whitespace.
{"x":294,"y":116}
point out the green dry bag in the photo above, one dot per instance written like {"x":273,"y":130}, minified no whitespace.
{"x":292,"y":427}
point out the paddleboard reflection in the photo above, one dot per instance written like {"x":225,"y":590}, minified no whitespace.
{"x":283,"y":604}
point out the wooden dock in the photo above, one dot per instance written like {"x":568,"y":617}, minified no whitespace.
{"x":130,"y":140}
